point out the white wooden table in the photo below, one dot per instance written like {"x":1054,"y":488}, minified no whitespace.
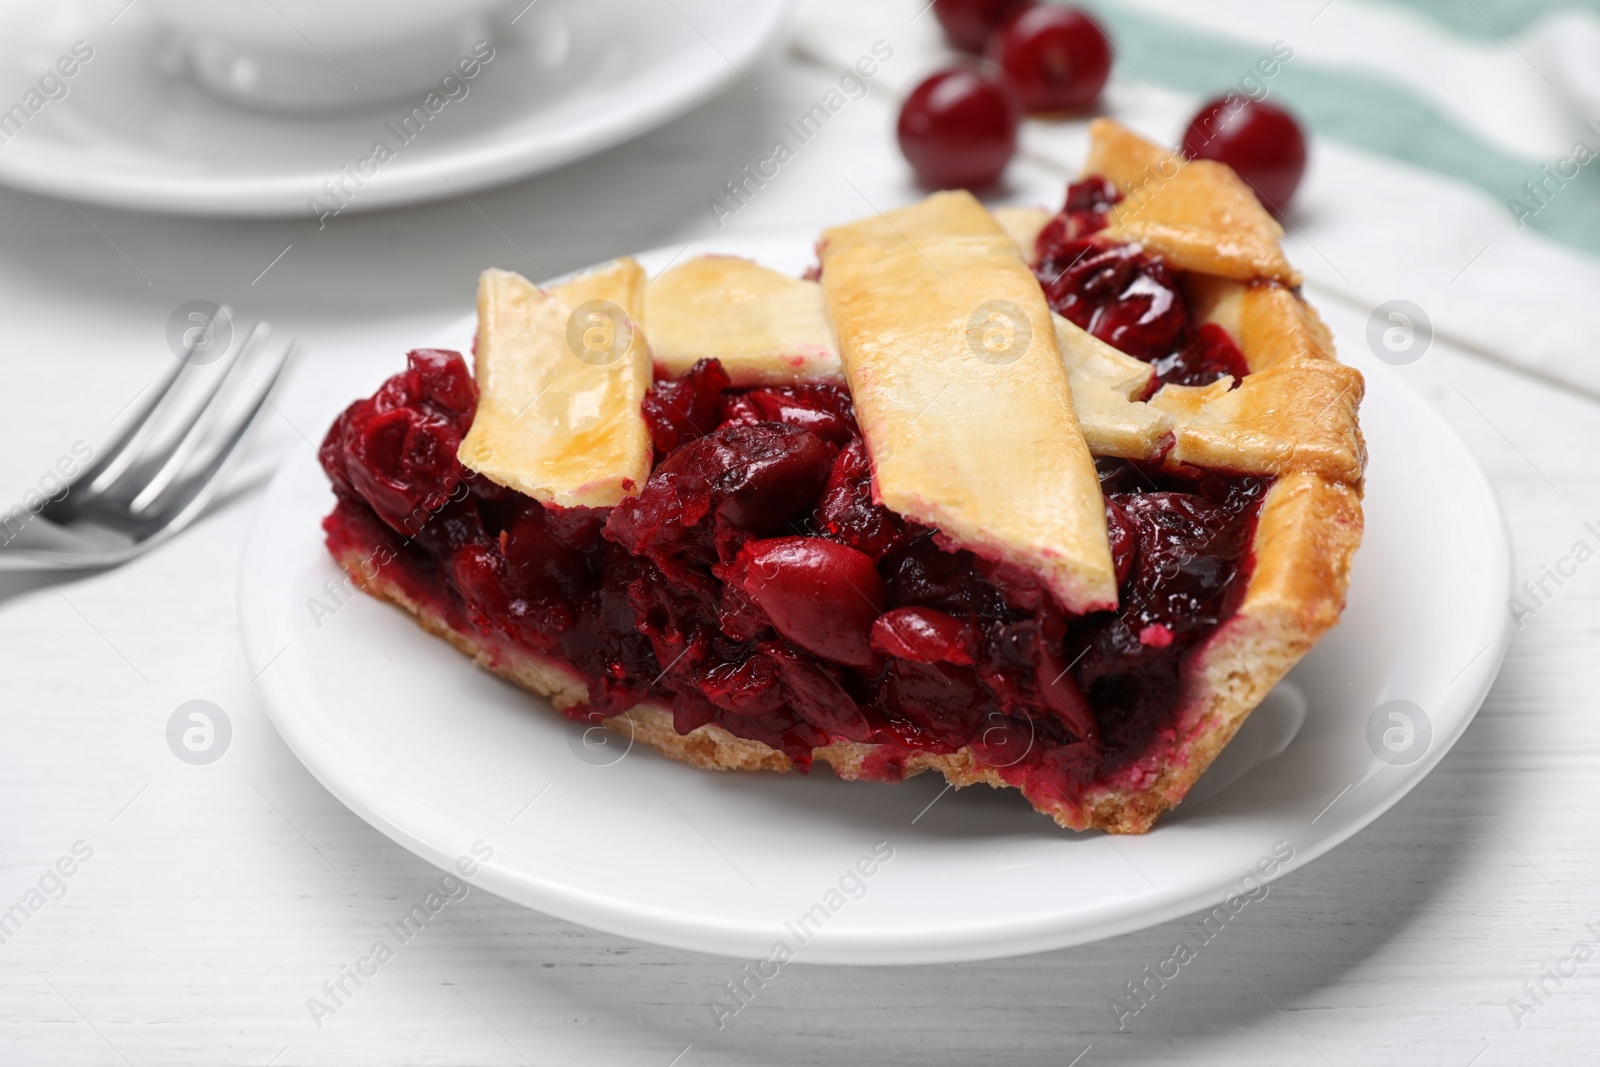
{"x":219,"y":898}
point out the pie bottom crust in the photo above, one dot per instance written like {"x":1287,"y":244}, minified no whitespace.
{"x":1306,"y":535}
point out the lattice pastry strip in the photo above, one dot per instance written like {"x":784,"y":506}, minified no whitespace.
{"x":1108,"y":388}
{"x":1198,"y":214}
{"x":561,"y":373}
{"x":1290,"y":417}
{"x":1270,"y":324}
{"x":767,"y":328}
{"x":993,"y":456}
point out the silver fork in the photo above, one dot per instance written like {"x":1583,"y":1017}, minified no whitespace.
{"x":148,"y":484}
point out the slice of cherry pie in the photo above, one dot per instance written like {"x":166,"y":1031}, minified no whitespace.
{"x":1032,"y":500}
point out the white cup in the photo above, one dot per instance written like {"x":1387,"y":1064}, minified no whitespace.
{"x":309,"y":55}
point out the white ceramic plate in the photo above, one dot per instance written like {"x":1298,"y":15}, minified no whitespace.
{"x":440,"y":755}
{"x":569,"y":78}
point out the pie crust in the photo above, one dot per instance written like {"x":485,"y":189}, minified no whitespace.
{"x":1198,"y":214}
{"x":763,"y":326}
{"x":951,"y":355}
{"x":1107,"y":391}
{"x":1292,"y":418}
{"x":561,"y":374}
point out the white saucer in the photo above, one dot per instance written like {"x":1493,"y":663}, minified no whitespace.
{"x":441,"y":756}
{"x":568,"y":78}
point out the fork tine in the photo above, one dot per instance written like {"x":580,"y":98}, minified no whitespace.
{"x":187,"y":497}
{"x":119,"y":447}
{"x":200,"y":422}
{"x":121,"y":453}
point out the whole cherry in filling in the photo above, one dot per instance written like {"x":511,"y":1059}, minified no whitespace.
{"x":753,"y":582}
{"x":818,"y":594}
{"x":1126,"y":295}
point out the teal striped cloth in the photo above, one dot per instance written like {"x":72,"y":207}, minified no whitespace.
{"x":1492,"y":19}
{"x":1381,"y":114}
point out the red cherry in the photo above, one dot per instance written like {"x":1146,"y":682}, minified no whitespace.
{"x":968,"y":23}
{"x":1124,"y":537}
{"x":1061,"y":693}
{"x":1056,"y":57}
{"x":478,"y":573}
{"x":921,"y":635}
{"x":958,"y":129}
{"x":1262,"y":143}
{"x":820,"y":594}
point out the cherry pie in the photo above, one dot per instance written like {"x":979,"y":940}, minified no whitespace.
{"x":1038,"y":500}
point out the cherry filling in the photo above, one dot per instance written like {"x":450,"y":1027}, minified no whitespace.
{"x":1126,"y":296}
{"x":754,"y":584}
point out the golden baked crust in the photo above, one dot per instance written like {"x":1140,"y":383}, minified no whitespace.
{"x":1198,"y":214}
{"x":1022,"y":224}
{"x":1108,"y":389}
{"x":561,"y":374}
{"x":951,"y":355}
{"x":1293,"y":418}
{"x":1270,"y":323}
{"x":765,"y":327}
